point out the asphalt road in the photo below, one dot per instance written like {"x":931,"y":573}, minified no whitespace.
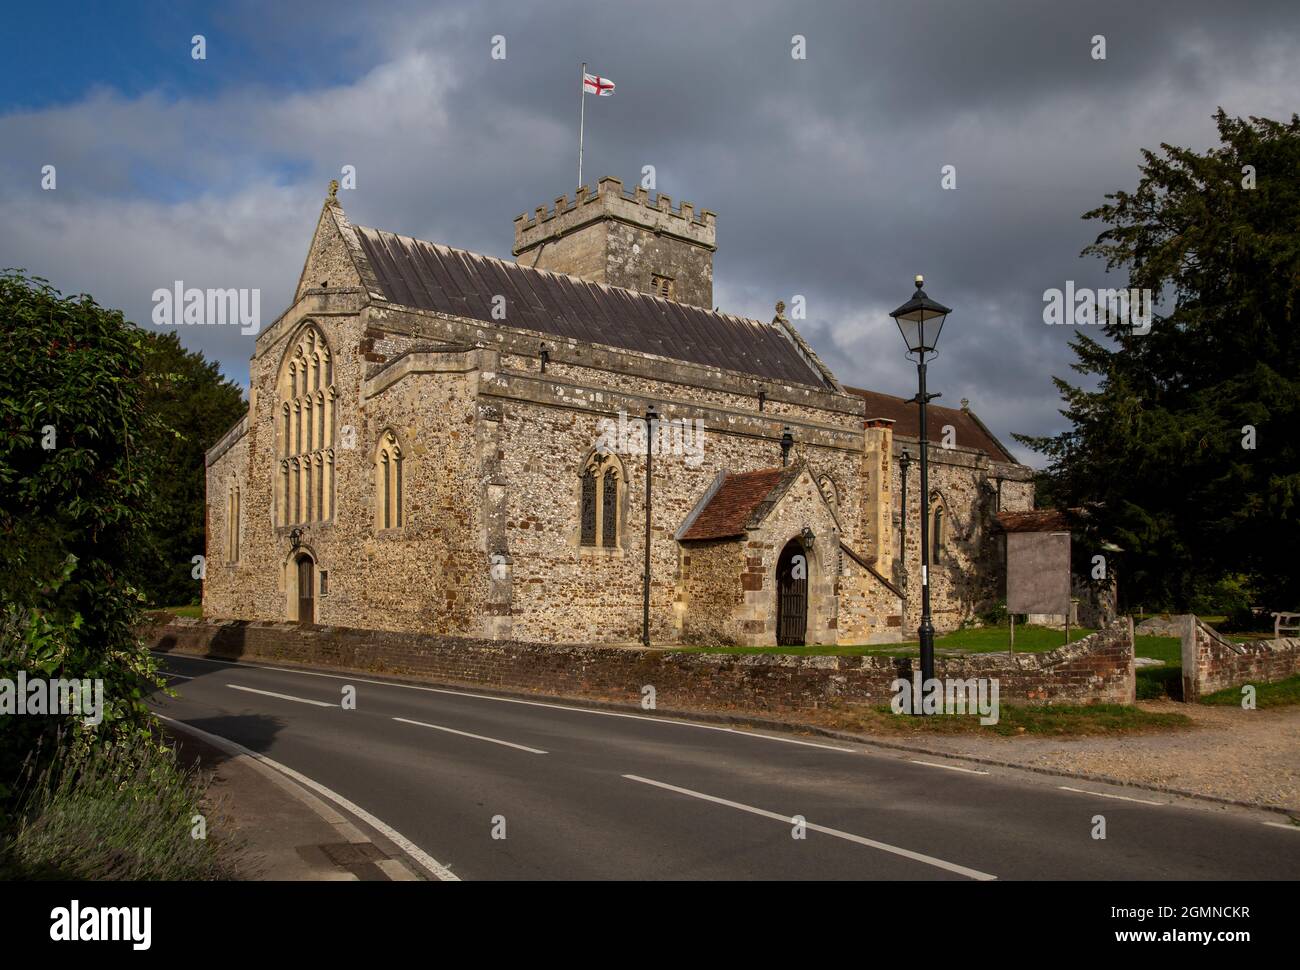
{"x":589,"y":794}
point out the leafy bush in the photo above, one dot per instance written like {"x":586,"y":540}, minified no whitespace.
{"x":76,"y":503}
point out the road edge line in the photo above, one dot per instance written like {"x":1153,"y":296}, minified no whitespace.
{"x":426,"y":861}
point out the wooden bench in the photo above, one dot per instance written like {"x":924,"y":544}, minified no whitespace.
{"x":1290,"y":622}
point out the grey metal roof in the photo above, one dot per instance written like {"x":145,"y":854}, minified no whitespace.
{"x":426,"y":276}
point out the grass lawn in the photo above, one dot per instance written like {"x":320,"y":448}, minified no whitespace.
{"x":194,"y":612}
{"x":1015,"y":721}
{"x":1281,"y":694}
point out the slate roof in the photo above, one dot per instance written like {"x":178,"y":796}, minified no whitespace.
{"x":971,"y":433}
{"x":736,"y":503}
{"x":427,"y":276}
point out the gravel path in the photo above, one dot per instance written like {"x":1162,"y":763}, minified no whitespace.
{"x":1247,"y":756}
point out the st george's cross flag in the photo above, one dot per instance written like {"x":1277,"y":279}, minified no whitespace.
{"x":591,"y":84}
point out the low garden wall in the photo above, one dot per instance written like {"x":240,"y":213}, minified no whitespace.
{"x":1211,"y":663}
{"x":1096,"y":669}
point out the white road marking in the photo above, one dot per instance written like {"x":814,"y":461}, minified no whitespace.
{"x":283,"y":697}
{"x":519,"y":700}
{"x":168,"y":673}
{"x":1284,"y":825}
{"x":849,"y":836}
{"x":935,"y":764}
{"x":436,"y":868}
{"x":466,"y":734}
{"x":1102,"y":794}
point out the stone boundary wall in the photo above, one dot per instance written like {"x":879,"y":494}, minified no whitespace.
{"x":1097,"y":669}
{"x":1211,"y":663}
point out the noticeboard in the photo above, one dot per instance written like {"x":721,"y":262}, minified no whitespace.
{"x":1038,"y":572}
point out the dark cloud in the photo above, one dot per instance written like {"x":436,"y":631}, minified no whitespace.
{"x":825,"y":172}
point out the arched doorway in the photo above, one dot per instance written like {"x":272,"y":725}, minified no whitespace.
{"x":306,"y":589}
{"x":792,"y":595}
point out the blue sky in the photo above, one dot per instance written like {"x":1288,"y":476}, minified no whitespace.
{"x":824,"y":172}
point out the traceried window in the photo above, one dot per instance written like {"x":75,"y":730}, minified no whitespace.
{"x":600,"y":503}
{"x":308,"y":403}
{"x":389,"y":498}
{"x":662,"y":286}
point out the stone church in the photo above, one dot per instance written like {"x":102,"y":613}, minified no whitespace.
{"x":445,"y":442}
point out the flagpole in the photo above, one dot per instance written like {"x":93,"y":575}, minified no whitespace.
{"x":582,"y":117}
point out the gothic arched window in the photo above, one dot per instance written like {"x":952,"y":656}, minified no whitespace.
{"x":389,"y":513}
{"x":307,"y":416}
{"x":232,"y":524}
{"x":602,"y":492}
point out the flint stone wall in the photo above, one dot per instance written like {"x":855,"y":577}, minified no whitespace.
{"x":1096,"y":669}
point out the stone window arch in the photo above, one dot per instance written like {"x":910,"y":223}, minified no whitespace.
{"x":938,"y":534}
{"x":390,"y":484}
{"x":601,"y":501}
{"x":305,"y":490}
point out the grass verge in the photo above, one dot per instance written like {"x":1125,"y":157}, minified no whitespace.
{"x":1281,"y":694}
{"x":123,"y":811}
{"x":1055,"y":721}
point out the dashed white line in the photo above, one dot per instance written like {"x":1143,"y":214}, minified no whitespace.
{"x":519,"y":700}
{"x":435,"y":868}
{"x":935,"y":764}
{"x":283,"y":697}
{"x":466,"y":734}
{"x":1102,"y":794}
{"x":848,"y":836}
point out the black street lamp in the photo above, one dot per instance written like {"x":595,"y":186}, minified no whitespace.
{"x":651,"y":426}
{"x":919,"y":321}
{"x":787,"y":442}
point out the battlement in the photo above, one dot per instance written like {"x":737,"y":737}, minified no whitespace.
{"x":611,"y":201}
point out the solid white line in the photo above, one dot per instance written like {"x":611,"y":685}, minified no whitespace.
{"x":436,"y":868}
{"x":935,"y":764}
{"x":283,"y":697}
{"x":168,"y":673}
{"x":517,"y":700}
{"x":466,"y":734}
{"x":1102,"y":794}
{"x":872,"y":843}
{"x":1284,"y":825}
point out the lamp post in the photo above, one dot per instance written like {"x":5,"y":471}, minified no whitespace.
{"x":919,"y":321}
{"x":651,"y":422}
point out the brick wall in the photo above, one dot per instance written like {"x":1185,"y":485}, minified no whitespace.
{"x":1097,"y":669}
{"x":1211,"y":663}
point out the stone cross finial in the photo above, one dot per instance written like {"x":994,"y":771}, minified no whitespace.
{"x":780,"y":309}
{"x":965,"y":404}
{"x":334,"y":190}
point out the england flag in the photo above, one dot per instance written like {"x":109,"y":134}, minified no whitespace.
{"x":602,"y":86}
